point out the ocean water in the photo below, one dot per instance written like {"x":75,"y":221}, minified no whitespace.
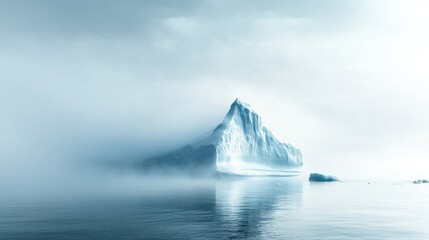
{"x":242,"y":208}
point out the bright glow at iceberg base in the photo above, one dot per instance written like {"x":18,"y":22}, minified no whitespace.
{"x":240,"y":168}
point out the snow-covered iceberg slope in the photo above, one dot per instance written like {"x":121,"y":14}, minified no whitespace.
{"x":240,"y":145}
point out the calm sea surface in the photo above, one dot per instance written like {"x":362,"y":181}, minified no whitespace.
{"x":251,"y":208}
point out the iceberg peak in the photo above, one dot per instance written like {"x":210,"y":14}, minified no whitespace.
{"x":240,"y":103}
{"x":241,"y":113}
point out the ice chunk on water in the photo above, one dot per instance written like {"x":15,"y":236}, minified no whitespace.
{"x":317,"y":177}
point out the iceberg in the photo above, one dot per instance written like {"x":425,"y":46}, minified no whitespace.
{"x":317,"y":177}
{"x":240,"y":145}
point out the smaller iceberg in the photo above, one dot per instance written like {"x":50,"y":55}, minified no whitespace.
{"x":317,"y":177}
{"x":420,"y":181}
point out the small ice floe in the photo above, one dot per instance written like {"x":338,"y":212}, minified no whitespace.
{"x":420,"y":181}
{"x":317,"y":177}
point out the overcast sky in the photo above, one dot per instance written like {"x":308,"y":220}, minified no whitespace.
{"x":347,"y":82}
